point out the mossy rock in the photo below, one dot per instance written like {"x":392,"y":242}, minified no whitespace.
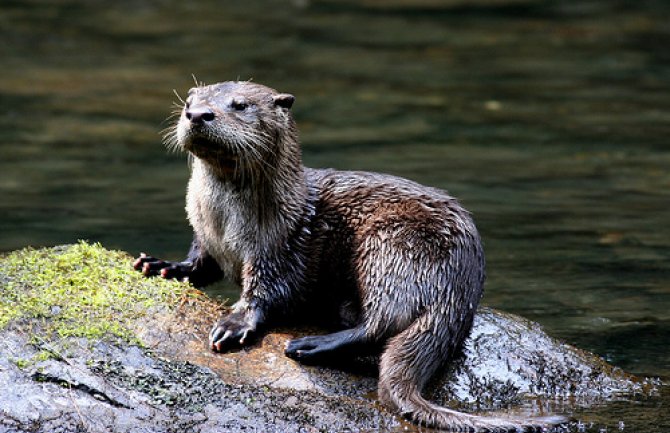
{"x":93,"y":344}
{"x":86,"y":344}
{"x":80,"y":290}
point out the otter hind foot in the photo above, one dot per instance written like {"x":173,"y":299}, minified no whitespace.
{"x":232,"y":331}
{"x":314,"y":349}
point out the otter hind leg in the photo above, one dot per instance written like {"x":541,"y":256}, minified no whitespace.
{"x":412,"y":358}
{"x":316,"y":349}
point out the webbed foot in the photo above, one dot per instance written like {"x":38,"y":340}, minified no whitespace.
{"x":321,"y":348}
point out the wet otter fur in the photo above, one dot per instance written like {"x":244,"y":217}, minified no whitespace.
{"x":398,"y":266}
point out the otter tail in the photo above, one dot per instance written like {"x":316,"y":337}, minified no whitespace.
{"x":411,"y":359}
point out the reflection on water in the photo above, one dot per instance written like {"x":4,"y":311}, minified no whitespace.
{"x":548,"y":119}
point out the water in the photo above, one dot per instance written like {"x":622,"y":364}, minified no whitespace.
{"x":550,"y":120}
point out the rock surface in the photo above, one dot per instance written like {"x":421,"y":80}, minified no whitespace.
{"x":166,"y":380}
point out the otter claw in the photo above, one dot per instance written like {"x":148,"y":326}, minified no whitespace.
{"x":151,"y":266}
{"x":233,"y":330}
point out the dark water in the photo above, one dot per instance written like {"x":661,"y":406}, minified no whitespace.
{"x":550,"y":120}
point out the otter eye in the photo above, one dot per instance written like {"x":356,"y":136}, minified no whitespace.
{"x":238,"y":105}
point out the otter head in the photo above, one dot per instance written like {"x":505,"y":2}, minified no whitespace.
{"x":236,"y":127}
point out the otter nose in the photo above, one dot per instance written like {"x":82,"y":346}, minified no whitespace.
{"x":199,"y":115}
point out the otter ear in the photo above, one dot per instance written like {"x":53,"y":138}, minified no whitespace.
{"x":284,"y":100}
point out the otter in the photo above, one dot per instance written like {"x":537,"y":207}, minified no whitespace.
{"x":397,"y":266}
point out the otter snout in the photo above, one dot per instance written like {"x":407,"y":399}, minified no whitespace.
{"x":198,"y":115}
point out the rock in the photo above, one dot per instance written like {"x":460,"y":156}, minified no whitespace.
{"x":142,"y":365}
{"x":508,"y":359}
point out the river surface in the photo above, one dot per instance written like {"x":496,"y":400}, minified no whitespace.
{"x":549,"y":120}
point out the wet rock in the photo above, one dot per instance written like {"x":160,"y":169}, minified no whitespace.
{"x":507,"y":361}
{"x":510,"y":360}
{"x":164,"y":378}
{"x":104,"y":387}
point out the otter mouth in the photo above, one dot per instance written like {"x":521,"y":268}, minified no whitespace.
{"x":213,"y":152}
{"x":198,"y":143}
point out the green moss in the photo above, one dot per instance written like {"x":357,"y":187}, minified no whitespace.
{"x":21,"y":363}
{"x":43,"y":355}
{"x":40,"y":356}
{"x":80,"y":290}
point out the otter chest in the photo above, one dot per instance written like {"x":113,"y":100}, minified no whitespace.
{"x":220,"y":224}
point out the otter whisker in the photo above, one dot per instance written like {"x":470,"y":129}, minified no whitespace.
{"x":197,"y":83}
{"x":178,"y":97}
{"x":170,"y":139}
{"x":173,"y":115}
{"x":257,"y":155}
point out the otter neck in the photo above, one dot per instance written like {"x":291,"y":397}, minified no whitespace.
{"x":275,"y":193}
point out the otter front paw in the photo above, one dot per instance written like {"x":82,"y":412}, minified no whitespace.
{"x":151,"y":266}
{"x":232,"y":331}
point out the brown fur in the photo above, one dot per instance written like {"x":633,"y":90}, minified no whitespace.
{"x":395,"y":264}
